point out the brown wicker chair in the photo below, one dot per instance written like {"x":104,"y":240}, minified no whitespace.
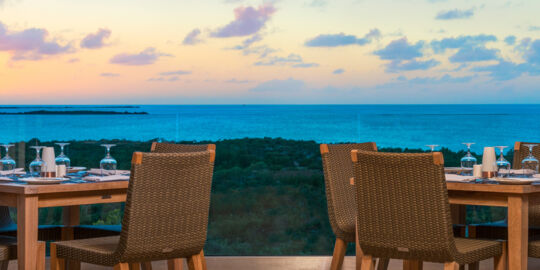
{"x":180,"y":148}
{"x":404,"y":213}
{"x":340,"y":196}
{"x":8,"y":251}
{"x":165,"y":217}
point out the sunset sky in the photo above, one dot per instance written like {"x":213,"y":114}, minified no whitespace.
{"x":268,"y":52}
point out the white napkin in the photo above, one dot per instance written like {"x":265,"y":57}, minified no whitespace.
{"x":459,"y":178}
{"x":115,"y":177}
{"x":97,"y":171}
{"x":17,"y":171}
{"x":535,"y":179}
{"x":518,"y":172}
{"x":5,"y":179}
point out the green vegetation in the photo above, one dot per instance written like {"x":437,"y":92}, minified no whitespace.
{"x":268,"y":195}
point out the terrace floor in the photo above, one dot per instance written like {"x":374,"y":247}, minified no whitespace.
{"x":286,"y":263}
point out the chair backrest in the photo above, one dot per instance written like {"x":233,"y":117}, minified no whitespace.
{"x":340,"y":195}
{"x":521,"y":151}
{"x":180,"y":148}
{"x":5,"y":217}
{"x":403,"y":209}
{"x":167,"y":205}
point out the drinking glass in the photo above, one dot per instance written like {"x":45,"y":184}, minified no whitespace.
{"x":7,"y":163}
{"x":36,"y":165}
{"x":432,"y":147}
{"x":530,"y":162}
{"x":468,"y":161}
{"x":108,"y":163}
{"x":62,"y":159}
{"x":502,"y":164}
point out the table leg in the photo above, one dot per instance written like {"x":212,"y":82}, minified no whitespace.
{"x":27,"y":232}
{"x":518,"y":230}
{"x":71,"y":217}
{"x":412,"y":265}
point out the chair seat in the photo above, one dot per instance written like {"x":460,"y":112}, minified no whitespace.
{"x":93,"y":250}
{"x":534,"y":249}
{"x":8,"y":248}
{"x":473,"y":250}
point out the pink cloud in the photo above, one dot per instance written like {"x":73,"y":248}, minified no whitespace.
{"x":146,"y":57}
{"x":248,"y":20}
{"x":30,"y":44}
{"x":96,"y":40}
{"x":192,"y":37}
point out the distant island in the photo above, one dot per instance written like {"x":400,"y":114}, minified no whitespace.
{"x":71,"y":107}
{"x":81,"y":112}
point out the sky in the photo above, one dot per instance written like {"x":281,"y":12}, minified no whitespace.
{"x":269,"y":52}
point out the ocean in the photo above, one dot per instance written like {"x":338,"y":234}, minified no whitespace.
{"x":411,"y":126}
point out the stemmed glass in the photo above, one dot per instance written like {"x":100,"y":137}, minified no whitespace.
{"x":62,"y":159}
{"x":432,"y":146}
{"x":36,"y":165}
{"x":530,"y":162}
{"x":502,"y":164}
{"x":108,"y":163}
{"x":7,"y":163}
{"x":468,"y":161}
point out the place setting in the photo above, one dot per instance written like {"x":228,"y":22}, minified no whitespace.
{"x":47,"y":169}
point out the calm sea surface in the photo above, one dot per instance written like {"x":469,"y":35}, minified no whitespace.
{"x":410,"y":126}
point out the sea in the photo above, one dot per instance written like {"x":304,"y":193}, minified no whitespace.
{"x":406,"y":126}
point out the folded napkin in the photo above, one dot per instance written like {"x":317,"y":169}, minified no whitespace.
{"x":535,"y":179}
{"x":115,"y":177}
{"x":5,"y":179}
{"x":97,"y":171}
{"x":517,"y":172}
{"x":15,"y":171}
{"x":459,"y":178}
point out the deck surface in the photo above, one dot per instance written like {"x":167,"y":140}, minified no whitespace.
{"x":286,"y":263}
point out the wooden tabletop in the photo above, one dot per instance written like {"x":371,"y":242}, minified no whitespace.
{"x":20,"y":188}
{"x":493,"y":188}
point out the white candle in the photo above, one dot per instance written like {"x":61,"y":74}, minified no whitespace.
{"x":49,"y":159}
{"x":489,"y":160}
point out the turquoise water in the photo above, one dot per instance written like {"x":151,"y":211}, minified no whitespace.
{"x":410,"y":126}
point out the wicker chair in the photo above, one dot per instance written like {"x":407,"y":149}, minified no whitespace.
{"x":8,"y":251}
{"x":404,"y":213}
{"x":340,"y":196}
{"x":165,"y":217}
{"x":180,"y":148}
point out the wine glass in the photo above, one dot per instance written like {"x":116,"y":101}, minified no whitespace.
{"x":7,"y":163}
{"x":108,"y":163}
{"x":62,"y":159}
{"x":432,"y":146}
{"x":502,"y":164}
{"x":468,"y":161}
{"x":36,"y":165}
{"x":530,"y":162}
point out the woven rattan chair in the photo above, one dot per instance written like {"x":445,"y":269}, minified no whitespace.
{"x":165,"y":217}
{"x":404,"y":213}
{"x":180,"y":148}
{"x":8,"y":251}
{"x":340,"y":196}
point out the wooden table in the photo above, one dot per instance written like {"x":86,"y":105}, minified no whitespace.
{"x":517,"y":198}
{"x":28,"y":198}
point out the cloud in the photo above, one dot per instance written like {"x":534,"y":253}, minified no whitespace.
{"x":238,"y":81}
{"x":146,"y":57}
{"x":440,"y":46}
{"x":510,"y":40}
{"x":248,"y":21}
{"x":398,"y":65}
{"x":30,"y":44}
{"x":400,"y":49}
{"x":163,"y":79}
{"x":533,"y":54}
{"x":318,"y":3}
{"x":434,"y":80}
{"x":73,"y":60}
{"x":474,"y":54}
{"x":335,"y":40}
{"x":454,"y":14}
{"x":96,"y":40}
{"x":263,"y":51}
{"x":338,"y":71}
{"x":192,"y":37}
{"x":286,"y":86}
{"x":534,"y":28}
{"x":503,"y":71}
{"x":247,"y":42}
{"x":109,"y":74}
{"x":176,"y":72}
{"x":305,"y":65}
